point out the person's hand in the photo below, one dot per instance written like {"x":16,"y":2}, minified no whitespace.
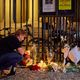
{"x":27,"y":54}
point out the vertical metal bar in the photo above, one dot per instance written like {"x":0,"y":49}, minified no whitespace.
{"x":43,"y":35}
{"x":77,"y":20}
{"x":10,"y":15}
{"x":26,"y":20}
{"x":70,"y":29}
{"x":14,"y":12}
{"x":48,"y":36}
{"x":57,"y":25}
{"x":66,"y":29}
{"x":27,"y":12}
{"x":60,"y":24}
{"x":59,"y":34}
{"x":76,"y":8}
{"x":56,"y":32}
{"x":21,"y":14}
{"x":63,"y":23}
{"x":38,"y":39}
{"x":38,"y":34}
{"x":32,"y":18}
{"x":54,"y":26}
{"x":50,"y":28}
{"x":33,"y":25}
{"x":4,"y":16}
{"x":54,"y":29}
{"x":53,"y":32}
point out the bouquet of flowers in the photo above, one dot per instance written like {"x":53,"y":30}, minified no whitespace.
{"x":27,"y":59}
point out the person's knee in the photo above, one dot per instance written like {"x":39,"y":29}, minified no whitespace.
{"x":15,"y":58}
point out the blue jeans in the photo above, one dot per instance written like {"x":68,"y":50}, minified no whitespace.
{"x":9,"y":59}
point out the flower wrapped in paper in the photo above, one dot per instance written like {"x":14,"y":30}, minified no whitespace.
{"x":27,"y":59}
{"x":73,"y":54}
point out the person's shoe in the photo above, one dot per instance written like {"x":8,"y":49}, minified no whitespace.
{"x":13,"y":71}
{"x":3,"y":73}
{"x":6,"y":71}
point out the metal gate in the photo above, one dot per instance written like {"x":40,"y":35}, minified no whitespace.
{"x":47,"y":32}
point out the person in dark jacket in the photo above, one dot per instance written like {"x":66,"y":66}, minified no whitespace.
{"x":11,"y":50}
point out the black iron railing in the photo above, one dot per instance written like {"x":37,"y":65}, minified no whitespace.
{"x":55,"y":26}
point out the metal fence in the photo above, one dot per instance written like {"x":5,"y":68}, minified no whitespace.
{"x":50,"y":30}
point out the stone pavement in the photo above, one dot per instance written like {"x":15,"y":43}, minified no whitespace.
{"x":26,"y":74}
